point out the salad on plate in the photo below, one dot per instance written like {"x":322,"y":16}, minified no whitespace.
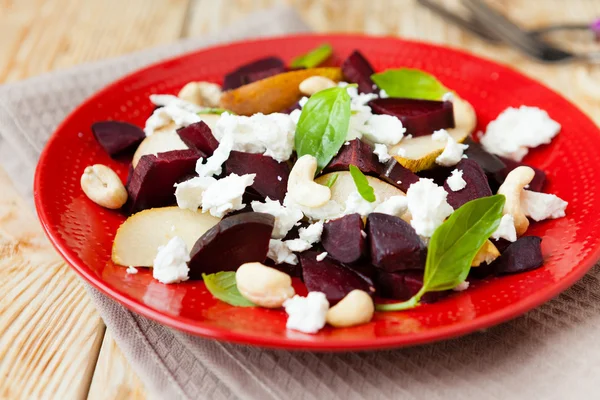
{"x":369,"y":188}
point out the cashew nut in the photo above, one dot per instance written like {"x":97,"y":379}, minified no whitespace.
{"x":102,"y":185}
{"x":512,"y":188}
{"x":204,"y":94}
{"x":301,"y":185}
{"x":315,"y":84}
{"x":264,"y":286}
{"x":487,"y":253}
{"x":354,"y":309}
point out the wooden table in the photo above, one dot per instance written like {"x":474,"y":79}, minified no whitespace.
{"x":52,"y":341}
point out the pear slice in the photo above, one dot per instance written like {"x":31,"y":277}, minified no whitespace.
{"x":487,"y":254}
{"x":138,"y":238}
{"x":419,"y":153}
{"x":159,"y":142}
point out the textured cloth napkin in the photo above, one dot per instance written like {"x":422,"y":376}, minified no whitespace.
{"x":552,"y":352}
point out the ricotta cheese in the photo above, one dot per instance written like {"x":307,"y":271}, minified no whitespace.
{"x":448,"y":96}
{"x":452,"y":153}
{"x":516,"y":130}
{"x":131,"y":270}
{"x":285,"y":217}
{"x":541,"y":206}
{"x":163,"y":116}
{"x":214,"y":163}
{"x":506,"y":230}
{"x":312,"y":233}
{"x":394,"y":205}
{"x":428,"y":206}
{"x":386,"y":129}
{"x":297,"y":245}
{"x":189,"y":193}
{"x":170,"y":264}
{"x":464,"y":285}
{"x":321,"y":256}
{"x":225,"y":195}
{"x":306,"y":314}
{"x":455,"y":181}
{"x":280,"y":253}
{"x":441,"y":135}
{"x":355,"y":203}
{"x":381,"y":151}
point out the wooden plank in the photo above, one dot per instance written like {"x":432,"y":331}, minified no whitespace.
{"x":114,"y":379}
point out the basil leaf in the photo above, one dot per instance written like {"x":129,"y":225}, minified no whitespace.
{"x":410,"y":83}
{"x":217,"y":111}
{"x":454,"y":245}
{"x":323,"y":125}
{"x":362,"y":184}
{"x":222,"y":286}
{"x":313,"y":58}
{"x":331,"y":181}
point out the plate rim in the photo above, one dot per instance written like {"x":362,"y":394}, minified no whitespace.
{"x":222,"y":334}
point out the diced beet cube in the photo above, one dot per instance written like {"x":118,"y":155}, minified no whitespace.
{"x":253,"y":71}
{"x":357,"y":69}
{"x":397,"y":175}
{"x":153,"y":178}
{"x":490,"y":163}
{"x":129,"y":175}
{"x":356,"y":153}
{"x":477,"y":184}
{"x":295,"y":271}
{"x":232,"y":242}
{"x":271,"y":176}
{"x":523,"y":255}
{"x":483,"y":271}
{"x":419,"y":117}
{"x":536,"y":185}
{"x":394,"y":244}
{"x":439,"y":174}
{"x":343,"y":238}
{"x":331,"y":278}
{"x":404,"y":285}
{"x":199,"y":137}
{"x":117,"y":137}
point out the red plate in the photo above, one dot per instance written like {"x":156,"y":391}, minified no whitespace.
{"x":83,"y":232}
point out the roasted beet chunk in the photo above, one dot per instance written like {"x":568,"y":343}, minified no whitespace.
{"x":152,"y":181}
{"x":523,"y":255}
{"x":117,"y":137}
{"x":489,"y":163}
{"x":477,"y":184}
{"x":331,"y":278}
{"x":356,"y":153}
{"x":199,"y":137}
{"x":536,"y":185}
{"x":295,"y":271}
{"x":253,"y":71}
{"x":232,"y":242}
{"x":395,"y":174}
{"x":343,"y":238}
{"x":357,"y":69}
{"x":271,"y":176}
{"x":419,"y":117}
{"x":394,"y":244}
{"x":404,"y":285}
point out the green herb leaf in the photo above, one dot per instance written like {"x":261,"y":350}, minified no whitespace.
{"x":313,"y":58}
{"x":217,"y":111}
{"x":222,"y":285}
{"x":331,"y":180}
{"x":323,"y":125}
{"x":454,"y":245}
{"x":410,"y":83}
{"x":362,"y":184}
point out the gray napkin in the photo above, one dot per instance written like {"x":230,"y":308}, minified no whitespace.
{"x":549,"y":353}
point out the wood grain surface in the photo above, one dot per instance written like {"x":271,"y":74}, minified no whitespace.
{"x":52,"y":341}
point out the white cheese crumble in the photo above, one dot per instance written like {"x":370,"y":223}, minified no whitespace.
{"x":401,"y":152}
{"x":363,"y":234}
{"x":516,"y":130}
{"x":506,"y":230}
{"x":131,"y":270}
{"x":455,"y":181}
{"x":541,"y":206}
{"x":321,"y":256}
{"x":279,"y":178}
{"x":355,"y":203}
{"x":170,"y":264}
{"x":306,"y":314}
{"x":381,"y":151}
{"x":285,"y":217}
{"x":214,"y":163}
{"x":448,"y":96}
{"x":279,"y":252}
{"x":331,"y":209}
{"x":271,"y":135}
{"x":394,"y":205}
{"x":441,"y":135}
{"x":386,"y":129}
{"x":312,"y":233}
{"x":428,"y":206}
{"x":383,"y":94}
{"x":297,"y":245}
{"x":452,"y":153}
{"x":163,"y":116}
{"x":464,"y":285}
{"x":189,"y":193}
{"x":225,"y":195}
